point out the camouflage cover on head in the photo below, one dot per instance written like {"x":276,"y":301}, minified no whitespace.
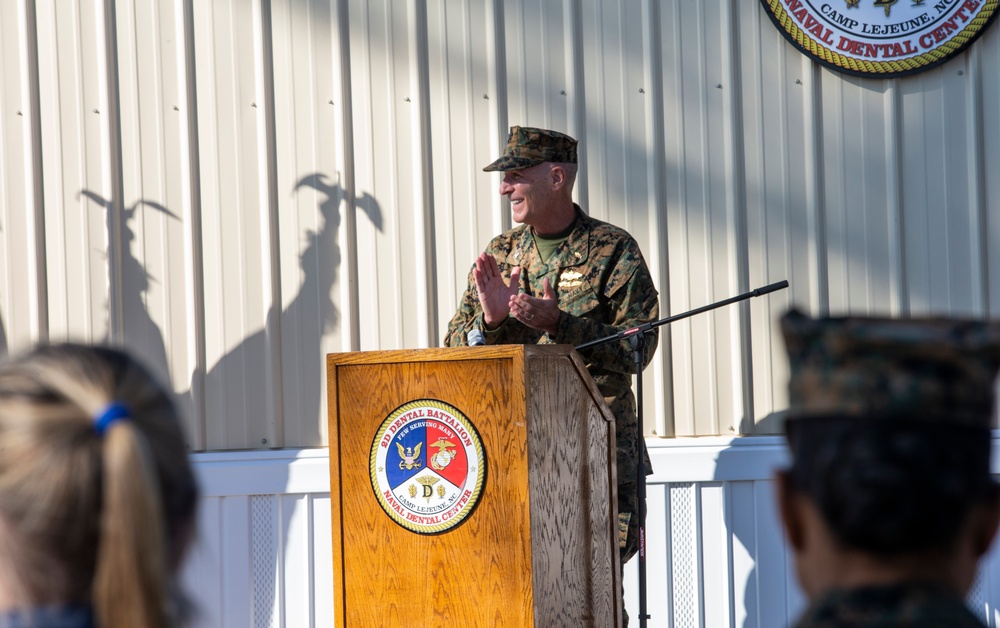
{"x":932,"y":369}
{"x":528,"y":146}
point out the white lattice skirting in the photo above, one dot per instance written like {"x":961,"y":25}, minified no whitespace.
{"x":716,"y":556}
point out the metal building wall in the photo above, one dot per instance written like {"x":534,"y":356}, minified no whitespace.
{"x":233,"y":188}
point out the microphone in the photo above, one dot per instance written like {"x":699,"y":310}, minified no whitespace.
{"x":475,"y":338}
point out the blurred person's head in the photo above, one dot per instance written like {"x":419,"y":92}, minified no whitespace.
{"x":97,"y":497}
{"x":889,"y":431}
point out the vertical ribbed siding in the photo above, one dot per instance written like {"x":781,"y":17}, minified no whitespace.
{"x":151,"y":217}
{"x":74,"y":172}
{"x":462,"y":105}
{"x":989,"y":55}
{"x":423,"y":187}
{"x":233,"y":213}
{"x":346,"y":316}
{"x":34,"y":205}
{"x":190,"y":202}
{"x":310,"y":193}
{"x":23,"y":298}
{"x":111,"y":162}
{"x":271,"y":264}
{"x":659,"y":381}
{"x":895,"y":245}
{"x":741,"y":388}
{"x":976,"y":183}
{"x":496,"y":36}
{"x":233,"y":189}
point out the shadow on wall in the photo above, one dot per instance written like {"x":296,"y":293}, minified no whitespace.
{"x":142,"y":336}
{"x":771,"y":425}
{"x":235,"y":385}
{"x":312,"y":313}
{"x":304,"y":321}
{"x":232,"y":384}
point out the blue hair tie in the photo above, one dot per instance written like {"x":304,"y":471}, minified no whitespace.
{"x":110,"y":413}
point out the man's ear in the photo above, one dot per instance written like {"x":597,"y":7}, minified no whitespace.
{"x":557,"y":175}
{"x":789,"y":508}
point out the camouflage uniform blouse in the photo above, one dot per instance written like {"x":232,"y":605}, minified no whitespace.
{"x":603,"y":286}
{"x":910,"y":605}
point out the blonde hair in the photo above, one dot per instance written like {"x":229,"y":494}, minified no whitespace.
{"x":91,"y":516}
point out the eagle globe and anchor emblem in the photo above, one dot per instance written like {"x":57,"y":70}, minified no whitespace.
{"x":427,"y":466}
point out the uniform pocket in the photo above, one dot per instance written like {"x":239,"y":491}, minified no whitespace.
{"x":578,"y":300}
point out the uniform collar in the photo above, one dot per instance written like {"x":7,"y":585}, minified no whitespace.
{"x":885,"y":603}
{"x":576,"y":248}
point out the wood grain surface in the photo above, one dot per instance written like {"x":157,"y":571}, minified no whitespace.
{"x":573,"y":562}
{"x":527,"y":555}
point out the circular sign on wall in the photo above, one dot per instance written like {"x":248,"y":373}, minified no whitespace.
{"x":881,"y":38}
{"x":427,"y":466}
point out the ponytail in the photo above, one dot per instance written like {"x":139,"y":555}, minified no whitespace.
{"x":130,"y":576}
{"x":97,"y":499}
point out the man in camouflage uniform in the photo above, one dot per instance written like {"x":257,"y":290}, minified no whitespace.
{"x":889,"y":504}
{"x":563,"y":277}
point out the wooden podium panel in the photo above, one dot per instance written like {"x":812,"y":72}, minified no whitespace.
{"x":540,"y":547}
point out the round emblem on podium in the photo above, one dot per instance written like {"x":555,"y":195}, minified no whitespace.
{"x":427,"y":466}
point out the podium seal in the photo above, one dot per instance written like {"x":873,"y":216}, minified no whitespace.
{"x":427,"y":466}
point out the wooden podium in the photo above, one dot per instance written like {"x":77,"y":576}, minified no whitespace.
{"x":539,"y":548}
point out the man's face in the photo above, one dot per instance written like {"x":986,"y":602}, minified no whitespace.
{"x":529,"y":191}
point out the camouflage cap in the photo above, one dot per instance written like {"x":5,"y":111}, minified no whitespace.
{"x":930,"y":369}
{"x":528,"y":146}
